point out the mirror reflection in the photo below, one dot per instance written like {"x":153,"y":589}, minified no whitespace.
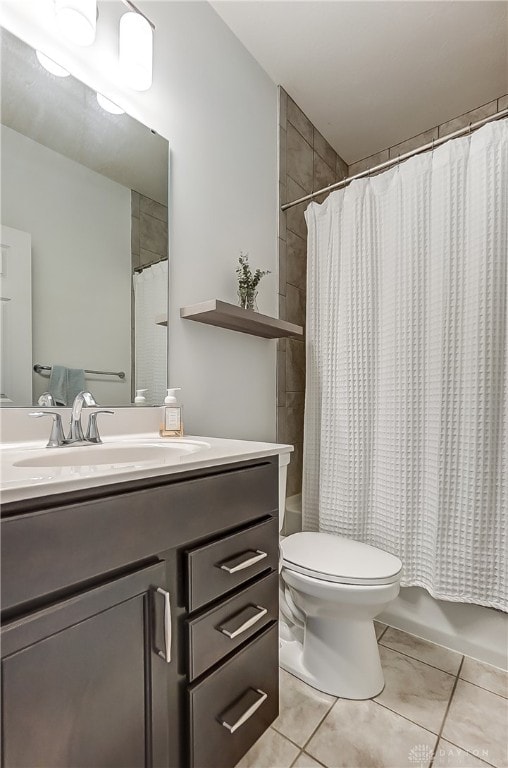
{"x":84,"y":242}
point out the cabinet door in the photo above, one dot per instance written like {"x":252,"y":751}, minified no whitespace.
{"x":83,"y":681}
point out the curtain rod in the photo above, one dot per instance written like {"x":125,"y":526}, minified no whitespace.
{"x":396,"y":160}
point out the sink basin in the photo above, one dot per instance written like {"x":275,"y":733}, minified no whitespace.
{"x":113,"y":455}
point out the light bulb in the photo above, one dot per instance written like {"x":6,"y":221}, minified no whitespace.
{"x":109,"y":105}
{"x":77,"y":20}
{"x":51,"y":65}
{"x":136,"y":51}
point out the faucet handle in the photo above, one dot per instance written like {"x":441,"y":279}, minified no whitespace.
{"x":92,"y":433}
{"x":56,"y":437}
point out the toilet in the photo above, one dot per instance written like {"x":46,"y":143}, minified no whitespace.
{"x":331,"y":589}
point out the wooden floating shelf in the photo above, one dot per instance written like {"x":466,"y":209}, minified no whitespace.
{"x":161,"y":320}
{"x":224,"y":315}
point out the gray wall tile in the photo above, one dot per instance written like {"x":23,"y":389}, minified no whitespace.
{"x":300,"y":121}
{"x":282,"y":267}
{"x":470,"y":117}
{"x":294,"y":481}
{"x":135,"y":236}
{"x":369,"y":162}
{"x":502,"y":103}
{"x":296,"y":261}
{"x":295,"y":366}
{"x":295,"y":402}
{"x":153,"y":235}
{"x":295,"y":305}
{"x":324,"y":150}
{"x":283,"y":106}
{"x":282,"y":307}
{"x":282,"y":154}
{"x":135,"y":203}
{"x":295,"y":218}
{"x":281,"y":378}
{"x":341,"y":169}
{"x":282,"y":224}
{"x":281,"y":424}
{"x":299,"y":159}
{"x":323,"y":174}
{"x":152,"y":208}
{"x":416,"y":141}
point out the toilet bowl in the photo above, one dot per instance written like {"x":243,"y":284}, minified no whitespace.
{"x":331,"y":590}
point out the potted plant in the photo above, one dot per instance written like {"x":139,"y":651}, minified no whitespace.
{"x":248,"y":282}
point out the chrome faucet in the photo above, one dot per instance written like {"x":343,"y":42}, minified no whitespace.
{"x":75,"y":429}
{"x":75,"y":436}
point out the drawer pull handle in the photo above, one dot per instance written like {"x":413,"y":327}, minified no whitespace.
{"x":227,"y":630}
{"x":260,"y":697}
{"x":233,"y":566}
{"x":166,"y":654}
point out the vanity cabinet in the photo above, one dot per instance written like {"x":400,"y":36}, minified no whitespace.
{"x":139,"y":621}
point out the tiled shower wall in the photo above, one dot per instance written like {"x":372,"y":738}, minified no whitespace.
{"x":437,"y":132}
{"x":307,"y":162}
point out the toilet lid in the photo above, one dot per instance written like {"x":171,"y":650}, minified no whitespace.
{"x":335,"y":558}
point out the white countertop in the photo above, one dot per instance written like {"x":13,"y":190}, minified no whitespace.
{"x":24,"y":482}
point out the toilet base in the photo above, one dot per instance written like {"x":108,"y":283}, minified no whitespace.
{"x":363,"y":684}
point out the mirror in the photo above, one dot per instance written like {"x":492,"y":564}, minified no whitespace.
{"x":84,"y":241}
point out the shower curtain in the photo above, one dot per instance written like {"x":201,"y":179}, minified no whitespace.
{"x":151,"y":339}
{"x":406,"y":409}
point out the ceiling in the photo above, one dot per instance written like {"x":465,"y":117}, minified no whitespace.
{"x":371,"y":74}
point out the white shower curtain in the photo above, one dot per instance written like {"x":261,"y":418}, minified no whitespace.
{"x":405,"y":413}
{"x":150,"y":338}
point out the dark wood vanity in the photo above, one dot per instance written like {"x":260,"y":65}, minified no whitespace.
{"x":139,"y":621}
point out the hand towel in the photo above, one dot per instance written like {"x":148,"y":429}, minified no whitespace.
{"x":65,"y":383}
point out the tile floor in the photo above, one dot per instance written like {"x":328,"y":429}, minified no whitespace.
{"x":438,"y":709}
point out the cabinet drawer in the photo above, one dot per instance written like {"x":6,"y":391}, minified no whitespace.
{"x":223,"y":565}
{"x":214,"y":634}
{"x":232,"y":707}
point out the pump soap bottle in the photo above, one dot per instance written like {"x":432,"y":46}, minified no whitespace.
{"x":172,"y":423}
{"x":140,"y":398}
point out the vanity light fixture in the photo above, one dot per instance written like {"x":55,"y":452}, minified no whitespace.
{"x":136,"y":49}
{"x":109,"y":105}
{"x":77,"y":20}
{"x":51,"y":65}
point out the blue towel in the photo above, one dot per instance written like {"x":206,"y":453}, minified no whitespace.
{"x":65,"y":383}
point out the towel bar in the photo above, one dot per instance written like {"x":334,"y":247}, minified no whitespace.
{"x":121,"y":374}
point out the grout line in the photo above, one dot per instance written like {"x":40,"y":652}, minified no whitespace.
{"x":285,"y":737}
{"x":307,"y":754}
{"x":463,"y":749}
{"x":296,"y":758}
{"x":321,"y":722}
{"x":484,"y":689}
{"x":404,"y":717}
{"x":382,"y":633}
{"x":446,"y":711}
{"x":395,"y":650}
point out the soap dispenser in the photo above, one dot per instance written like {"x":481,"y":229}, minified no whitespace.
{"x":140,"y":398}
{"x":172,"y":422}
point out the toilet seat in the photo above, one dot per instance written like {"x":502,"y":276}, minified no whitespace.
{"x":332,"y":558}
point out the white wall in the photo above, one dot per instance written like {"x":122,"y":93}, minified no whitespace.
{"x":80,"y":224}
{"x":217,"y":108}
